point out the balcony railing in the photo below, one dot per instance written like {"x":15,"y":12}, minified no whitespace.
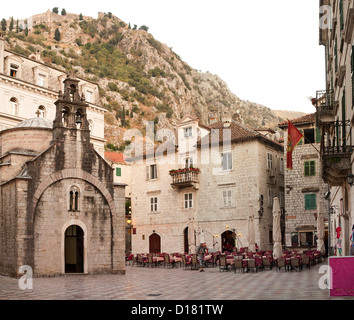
{"x":336,"y":138}
{"x":183,"y":178}
{"x":324,"y":102}
{"x":336,"y":150}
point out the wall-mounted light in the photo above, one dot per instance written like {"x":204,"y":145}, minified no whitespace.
{"x":350,"y":179}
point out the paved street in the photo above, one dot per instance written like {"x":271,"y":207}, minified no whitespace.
{"x":141,"y":283}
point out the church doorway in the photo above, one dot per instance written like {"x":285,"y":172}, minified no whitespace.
{"x":185,"y":240}
{"x":154,"y":243}
{"x":74,"y":249}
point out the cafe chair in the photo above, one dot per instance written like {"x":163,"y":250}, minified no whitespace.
{"x":238,"y":265}
{"x":281,"y":264}
{"x":295,"y":264}
{"x":266,"y":264}
{"x":305,"y":261}
{"x":251,"y":265}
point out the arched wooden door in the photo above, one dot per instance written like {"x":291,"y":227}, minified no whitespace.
{"x":154,"y":243}
{"x":74,"y":249}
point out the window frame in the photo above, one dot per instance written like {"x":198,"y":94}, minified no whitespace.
{"x":228,"y":162}
{"x":310,"y":201}
{"x":269,"y":161}
{"x":188,"y":201}
{"x":188,"y":132}
{"x":310,"y":167}
{"x":118,"y":172}
{"x":154,"y":204}
{"x":227,"y":198}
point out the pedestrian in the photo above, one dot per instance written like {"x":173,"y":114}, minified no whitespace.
{"x":200,"y":252}
{"x":352,"y":240}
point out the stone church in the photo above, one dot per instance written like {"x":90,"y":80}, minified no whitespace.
{"x":60,"y":211}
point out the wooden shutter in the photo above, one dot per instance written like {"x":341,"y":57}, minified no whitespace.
{"x":302,"y":139}
{"x":310,"y":201}
{"x":147,"y":172}
{"x":318,"y":135}
{"x":118,"y":172}
{"x":307,"y":168}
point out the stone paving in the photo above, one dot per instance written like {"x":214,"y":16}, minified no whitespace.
{"x":142,"y":283}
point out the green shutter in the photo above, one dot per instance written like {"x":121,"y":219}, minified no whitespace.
{"x":312,"y":168}
{"x":118,"y":172}
{"x":318,"y":135}
{"x":310,"y":201}
{"x":307,"y":168}
{"x":341,"y":9}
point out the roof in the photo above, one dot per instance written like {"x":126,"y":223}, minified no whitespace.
{"x":235,"y":132}
{"x":114,"y":156}
{"x":308,"y":118}
{"x":36,"y":123}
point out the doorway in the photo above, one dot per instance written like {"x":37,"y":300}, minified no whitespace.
{"x":74,"y":249}
{"x":154,"y":243}
{"x":228,"y":241}
{"x":185,"y":240}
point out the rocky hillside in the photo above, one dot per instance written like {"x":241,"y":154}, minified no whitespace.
{"x":139,"y":77}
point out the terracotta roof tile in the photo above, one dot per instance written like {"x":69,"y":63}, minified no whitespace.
{"x":308,"y":118}
{"x":114,"y":156}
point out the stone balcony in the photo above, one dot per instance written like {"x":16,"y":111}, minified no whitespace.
{"x":184,"y":178}
{"x":336,"y":151}
{"x":325,"y":106}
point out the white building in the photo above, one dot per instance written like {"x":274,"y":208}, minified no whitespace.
{"x":201,"y":189}
{"x":29,"y":88}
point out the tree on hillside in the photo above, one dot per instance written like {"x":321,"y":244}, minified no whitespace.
{"x":55,"y":10}
{"x":11,"y":24}
{"x":143,"y":27}
{"x":81,"y":17}
{"x":3,"y":25}
{"x":63,"y":12}
{"x":26,"y":31}
{"x":57,"y":35}
{"x":17,"y":27}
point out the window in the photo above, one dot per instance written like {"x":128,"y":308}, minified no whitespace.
{"x":151,"y":172}
{"x":188,"y":132}
{"x":91,"y":127}
{"x":13,"y":70}
{"x":341,"y":12}
{"x":310,"y":201}
{"x":306,"y":238}
{"x":309,"y":135}
{"x":227,"y":198}
{"x":118,"y":172}
{"x":41,"y":80}
{"x":269,"y":161}
{"x":14,"y":106}
{"x":188,"y":200}
{"x":189,"y":162}
{"x":281,"y":165}
{"x":89,"y":96}
{"x":74,"y":199}
{"x":227,"y":161}
{"x":270,"y":197}
{"x":153,"y":204}
{"x":310,"y":168}
{"x":41,"y":112}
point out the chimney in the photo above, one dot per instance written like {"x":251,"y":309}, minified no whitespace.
{"x":2,"y":53}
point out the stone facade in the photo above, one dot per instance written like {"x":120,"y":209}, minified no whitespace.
{"x":175,"y":213}
{"x":334,"y":105}
{"x":60,"y":210}
{"x":28,"y":86}
{"x":303,"y":182}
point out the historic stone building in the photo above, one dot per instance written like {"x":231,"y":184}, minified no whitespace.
{"x":304,"y":186}
{"x":29,"y":87}
{"x":204,"y":187}
{"x":334,"y":110}
{"x":60,"y":210}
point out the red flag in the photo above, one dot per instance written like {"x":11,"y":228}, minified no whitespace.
{"x":294,"y":137}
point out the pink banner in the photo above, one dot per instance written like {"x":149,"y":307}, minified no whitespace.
{"x":342,"y":276}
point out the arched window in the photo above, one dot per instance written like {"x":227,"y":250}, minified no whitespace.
{"x":14,"y":106}
{"x":41,"y":112}
{"x":65,"y":116}
{"x":74,"y":195}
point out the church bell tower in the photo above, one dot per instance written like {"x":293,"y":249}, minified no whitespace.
{"x":71,"y":113}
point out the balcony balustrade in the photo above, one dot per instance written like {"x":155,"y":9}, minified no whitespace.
{"x":336,"y":150}
{"x":183,"y":178}
{"x":325,"y":106}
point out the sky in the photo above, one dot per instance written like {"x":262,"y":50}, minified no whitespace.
{"x":267,"y":52}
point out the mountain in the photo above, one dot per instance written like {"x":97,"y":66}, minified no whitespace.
{"x":140,"y":79}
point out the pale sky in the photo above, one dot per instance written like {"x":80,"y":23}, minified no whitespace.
{"x":266,"y":51}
